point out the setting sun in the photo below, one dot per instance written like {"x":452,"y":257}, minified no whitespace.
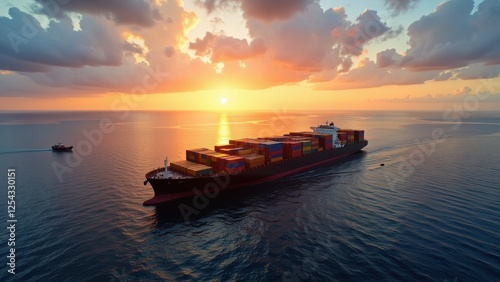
{"x":223,"y":100}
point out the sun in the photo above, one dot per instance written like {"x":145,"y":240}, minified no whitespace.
{"x":223,"y":101}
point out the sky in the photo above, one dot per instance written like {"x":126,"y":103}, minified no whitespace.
{"x":249,"y":55}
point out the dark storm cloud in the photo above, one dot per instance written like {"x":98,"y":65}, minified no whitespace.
{"x":259,"y":9}
{"x":26,"y":46}
{"x":135,"y":12}
{"x":399,"y":6}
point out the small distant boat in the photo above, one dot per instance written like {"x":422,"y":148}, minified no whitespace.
{"x":59,"y":147}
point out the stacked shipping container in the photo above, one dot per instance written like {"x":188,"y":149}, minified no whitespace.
{"x":217,"y":161}
{"x":306,"y":147}
{"x":351,"y":136}
{"x":359,"y":136}
{"x":218,"y":148}
{"x":193,"y":155}
{"x":253,"y":160}
{"x":342,"y":136}
{"x":247,"y":153}
{"x":292,"y":149}
{"x":272,"y":151}
{"x":231,"y":164}
{"x":191,"y":168}
{"x":319,"y":141}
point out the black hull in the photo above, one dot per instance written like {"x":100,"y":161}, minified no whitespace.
{"x":172,"y":189}
{"x":65,"y":149}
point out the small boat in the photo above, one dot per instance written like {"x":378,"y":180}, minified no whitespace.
{"x":59,"y":147}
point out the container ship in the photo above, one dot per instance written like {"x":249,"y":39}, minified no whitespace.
{"x":251,"y":161}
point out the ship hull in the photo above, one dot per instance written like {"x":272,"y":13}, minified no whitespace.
{"x":167,"y":190}
{"x":63,"y":149}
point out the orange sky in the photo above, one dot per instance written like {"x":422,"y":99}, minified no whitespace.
{"x":258,"y":55}
{"x":292,"y":97}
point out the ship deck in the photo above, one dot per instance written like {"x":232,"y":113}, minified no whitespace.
{"x":160,"y":173}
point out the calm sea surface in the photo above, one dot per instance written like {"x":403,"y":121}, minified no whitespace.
{"x":432,"y":213}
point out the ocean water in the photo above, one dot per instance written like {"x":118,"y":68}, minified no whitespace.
{"x":431,"y":213}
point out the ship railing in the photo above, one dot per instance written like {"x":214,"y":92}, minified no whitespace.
{"x":153,"y":173}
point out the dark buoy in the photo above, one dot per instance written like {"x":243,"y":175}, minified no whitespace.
{"x":382,"y":164}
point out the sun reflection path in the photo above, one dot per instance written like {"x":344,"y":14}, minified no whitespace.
{"x":223,"y":134}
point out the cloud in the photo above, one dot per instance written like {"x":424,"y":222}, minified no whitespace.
{"x":388,"y":58}
{"x":300,"y":43}
{"x":169,"y":51}
{"x":446,"y":75}
{"x":132,"y":12}
{"x":303,"y":42}
{"x":466,"y":90}
{"x":367,"y":74}
{"x":451,"y":37}
{"x":15,"y":85}
{"x":99,"y":58}
{"x":13,"y":64}
{"x":471,"y":72}
{"x":478,"y":71}
{"x":212,"y":5}
{"x":259,"y":9}
{"x":272,"y":10}
{"x":461,"y":95}
{"x":368,"y":27}
{"x":399,"y":6}
{"x":225,"y":48}
{"x":311,"y":41}
{"x":311,"y":44}
{"x":26,"y":46}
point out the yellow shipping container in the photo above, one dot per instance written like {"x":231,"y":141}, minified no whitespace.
{"x":245,"y":152}
{"x":276,"y":159}
{"x":253,"y":160}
